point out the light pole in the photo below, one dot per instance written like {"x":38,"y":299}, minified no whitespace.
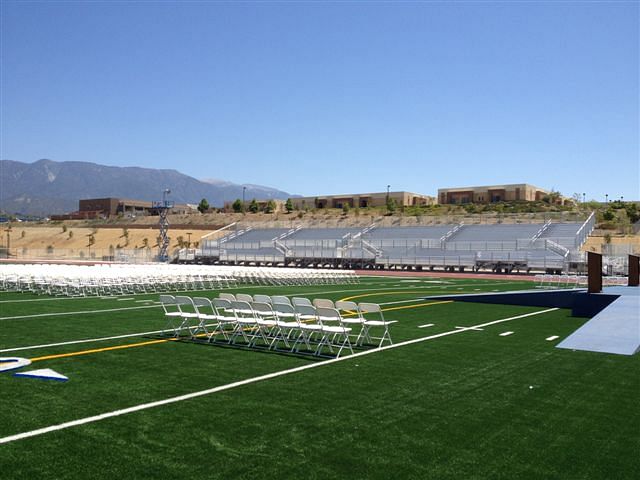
{"x":606,"y":198}
{"x":584,"y":196}
{"x":388,"y":187}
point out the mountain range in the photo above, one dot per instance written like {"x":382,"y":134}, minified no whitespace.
{"x":47,"y":187}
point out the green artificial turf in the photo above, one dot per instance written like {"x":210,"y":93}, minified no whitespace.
{"x":468,"y":405}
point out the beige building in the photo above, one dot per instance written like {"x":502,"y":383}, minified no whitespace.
{"x":362,"y":200}
{"x":492,"y":194}
{"x":110,"y":207}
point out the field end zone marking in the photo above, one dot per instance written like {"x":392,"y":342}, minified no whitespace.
{"x":220,"y":388}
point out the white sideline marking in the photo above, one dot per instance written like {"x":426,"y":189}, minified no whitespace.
{"x":506,"y":334}
{"x":188,"y":396}
{"x":426,"y":325}
{"x":551,"y":338}
{"x":77,"y":313}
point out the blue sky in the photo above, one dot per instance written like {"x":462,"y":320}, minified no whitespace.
{"x":331,"y":97}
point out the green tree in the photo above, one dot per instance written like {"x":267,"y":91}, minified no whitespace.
{"x":203,"y":206}
{"x":64,"y":228}
{"x":288,"y":206}
{"x":237,"y":206}
{"x":253,"y":206}
{"x":391,"y":205}
{"x":608,"y":215}
{"x":271,"y":206}
{"x":345,"y":208}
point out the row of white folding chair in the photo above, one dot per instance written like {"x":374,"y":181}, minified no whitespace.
{"x":355,"y":313}
{"x":272,"y":324}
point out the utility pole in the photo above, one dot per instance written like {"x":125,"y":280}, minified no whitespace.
{"x":8,"y":230}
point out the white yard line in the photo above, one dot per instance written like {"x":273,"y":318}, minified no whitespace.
{"x":81,"y":312}
{"x":551,"y":338}
{"x":426,"y":325}
{"x":220,"y":388}
{"x":506,"y":334}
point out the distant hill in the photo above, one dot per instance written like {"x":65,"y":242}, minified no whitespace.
{"x":45,"y":187}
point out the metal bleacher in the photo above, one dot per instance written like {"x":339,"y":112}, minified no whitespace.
{"x":550,"y":247}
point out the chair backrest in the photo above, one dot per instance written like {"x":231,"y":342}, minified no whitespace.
{"x":242,"y":309}
{"x":301,"y":301}
{"x":305,"y":310}
{"x":347,"y":306}
{"x":328,"y":315}
{"x":182,"y":300}
{"x":244,"y":297}
{"x":227,"y":296}
{"x":261,"y":298}
{"x":222,"y":304}
{"x":280,"y":299}
{"x":285,"y":308}
{"x":262,"y":307}
{"x":201,"y":302}
{"x":369,"y":307}
{"x":323,"y":303}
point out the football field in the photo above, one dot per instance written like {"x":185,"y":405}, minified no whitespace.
{"x":465,"y":391}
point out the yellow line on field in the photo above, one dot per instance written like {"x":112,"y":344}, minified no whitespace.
{"x":105,"y":349}
{"x":377,"y":293}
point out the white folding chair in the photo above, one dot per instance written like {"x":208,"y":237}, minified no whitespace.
{"x":207,"y":316}
{"x":334,"y":332}
{"x":307,"y":319}
{"x":352,"y":317}
{"x":288,"y":323}
{"x":226,"y":318}
{"x":374,"y":308}
{"x":188,"y":314}
{"x":245,"y":322}
{"x":171,"y":312}
{"x":268,"y":328}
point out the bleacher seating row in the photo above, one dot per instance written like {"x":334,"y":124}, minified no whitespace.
{"x":116,"y":279}
{"x":545,"y":246}
{"x":320,"y":327}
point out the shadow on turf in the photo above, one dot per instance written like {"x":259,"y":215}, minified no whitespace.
{"x":302,"y":354}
